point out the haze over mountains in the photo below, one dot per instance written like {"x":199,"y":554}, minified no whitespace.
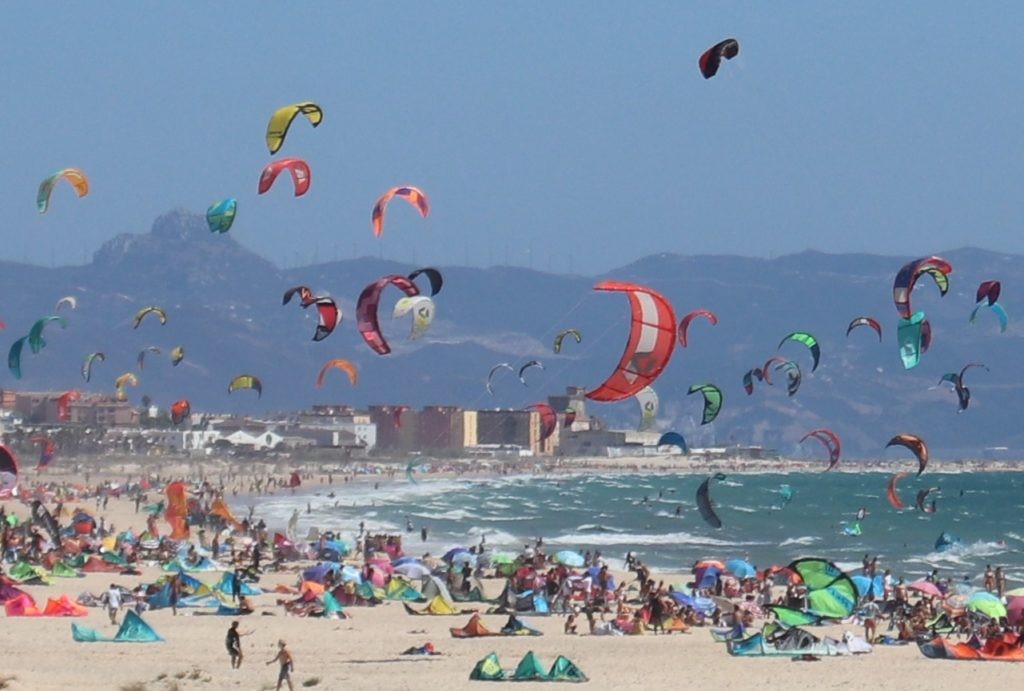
{"x":224,"y":307}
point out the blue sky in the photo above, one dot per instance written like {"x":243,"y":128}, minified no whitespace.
{"x":566,"y":135}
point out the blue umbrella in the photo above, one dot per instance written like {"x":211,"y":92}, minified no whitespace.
{"x":740,"y":568}
{"x":569,"y":558}
{"x":450,"y":554}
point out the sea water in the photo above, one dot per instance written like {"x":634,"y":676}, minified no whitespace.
{"x":655,"y":517}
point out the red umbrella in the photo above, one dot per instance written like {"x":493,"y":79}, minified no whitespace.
{"x":1015,"y":611}
{"x":925,"y":587}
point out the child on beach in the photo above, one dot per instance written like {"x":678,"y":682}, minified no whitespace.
{"x":285,"y":659}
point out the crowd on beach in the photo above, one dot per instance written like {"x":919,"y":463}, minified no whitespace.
{"x":53,"y":531}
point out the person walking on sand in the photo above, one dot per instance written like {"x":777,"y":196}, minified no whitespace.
{"x":113,"y":602}
{"x":234,"y":644}
{"x":285,"y":659}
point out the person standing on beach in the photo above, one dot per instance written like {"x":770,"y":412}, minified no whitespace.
{"x":113,"y":602}
{"x":234,"y":644}
{"x":285,"y":659}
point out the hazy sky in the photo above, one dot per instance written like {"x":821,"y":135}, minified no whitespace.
{"x":570,"y":135}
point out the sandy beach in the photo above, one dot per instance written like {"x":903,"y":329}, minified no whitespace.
{"x":363,"y":652}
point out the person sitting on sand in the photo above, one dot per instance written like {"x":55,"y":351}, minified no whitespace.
{"x":570,"y":625}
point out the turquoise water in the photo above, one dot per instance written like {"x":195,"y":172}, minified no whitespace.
{"x":607,"y":513}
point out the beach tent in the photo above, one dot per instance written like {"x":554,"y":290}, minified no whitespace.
{"x":26,"y":573}
{"x":412,"y":569}
{"x":706,"y":577}
{"x":62,"y":570}
{"x":434,"y":586}
{"x":64,"y":606}
{"x":870,"y":586}
{"x":21,"y":606}
{"x":565,"y":669}
{"x":790,"y":642}
{"x":517,"y":627}
{"x":399,"y":589}
{"x":526,"y":602}
{"x":567,"y":557}
{"x":9,"y":592}
{"x":133,"y":630}
{"x":474,"y":628}
{"x":488,"y":669}
{"x":993,"y":650}
{"x":331,"y":606}
{"x":436,"y":607}
{"x":530,"y":669}
{"x":228,"y":579}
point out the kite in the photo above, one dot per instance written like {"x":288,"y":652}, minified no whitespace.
{"x":413,"y":195}
{"x":548,"y":419}
{"x":865,"y":321}
{"x":305,"y":295}
{"x":989,"y":292}
{"x":712,"y":57}
{"x":246,"y":381}
{"x":146,"y":311}
{"x":793,"y":376}
{"x":673,"y":439}
{"x":916,"y":446}
{"x":141,"y":359}
{"x":69,"y":300}
{"x":748,"y":379}
{"x":433,"y":275}
{"x":35,"y":334}
{"x":831,"y":441}
{"x":522,"y":370}
{"x":561,"y":336}
{"x":652,"y":337}
{"x":281,"y":120}
{"x":712,"y":401}
{"x":648,"y":400}
{"x":704,"y":503}
{"x":345,"y":366}
{"x":936,"y":267}
{"x":299,"y":169}
{"x":891,"y":494}
{"x":221,"y":215}
{"x":126,"y":379}
{"x":177,"y":355}
{"x":328,"y":318}
{"x":47,"y":450}
{"x":180,"y":410}
{"x":64,"y":405}
{"x":422,"y":309}
{"x":87,"y":365}
{"x":490,"y":375}
{"x":366,"y":310}
{"x":910,"y":335}
{"x":808,"y":340}
{"x":78,"y":181}
{"x":997,"y":309}
{"x":684,"y":323}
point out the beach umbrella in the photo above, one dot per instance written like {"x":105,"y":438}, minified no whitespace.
{"x":406,"y":560}
{"x":724,"y":604}
{"x":503,"y":558}
{"x":1015,"y":610}
{"x":569,"y":558}
{"x":740,"y":568}
{"x":450,"y":554}
{"x":925,"y":587}
{"x":682,"y":598}
{"x":351,"y":573}
{"x":463,"y":558}
{"x":710,"y":563}
{"x":412,"y":570}
{"x":869,"y":586}
{"x":988,"y":604}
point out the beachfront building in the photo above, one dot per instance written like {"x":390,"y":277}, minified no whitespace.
{"x":335,"y":427}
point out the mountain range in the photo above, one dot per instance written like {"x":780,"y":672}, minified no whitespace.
{"x":224,"y":306}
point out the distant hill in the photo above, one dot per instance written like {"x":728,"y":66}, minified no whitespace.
{"x":224,"y":307}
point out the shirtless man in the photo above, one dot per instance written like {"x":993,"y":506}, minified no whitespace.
{"x":285,"y":659}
